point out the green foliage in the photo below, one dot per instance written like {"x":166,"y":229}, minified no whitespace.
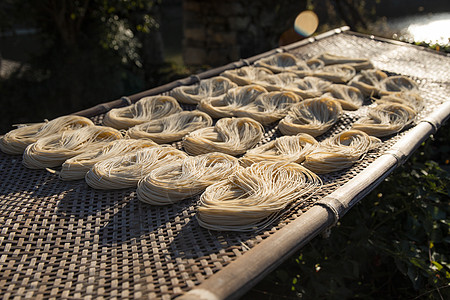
{"x":91,"y":51}
{"x":393,"y":245}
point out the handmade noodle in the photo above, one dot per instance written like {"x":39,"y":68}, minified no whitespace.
{"x":369,"y":81}
{"x":15,"y":141}
{"x":412,"y":100}
{"x":53,"y":150}
{"x":246,"y":75}
{"x":385,"y":119}
{"x":311,"y":116}
{"x":145,"y":110}
{"x":349,"y":97}
{"x":212,"y":87}
{"x":233,"y":100}
{"x":171,"y":128}
{"x":285,"y":148}
{"x":336,"y":73}
{"x":253,"y":197}
{"x":396,"y":84}
{"x":126,"y":171}
{"x":182,"y":179}
{"x":340,"y":151}
{"x":357,"y":63}
{"x":76,"y":167}
{"x":269,"y":107}
{"x":232,"y":136}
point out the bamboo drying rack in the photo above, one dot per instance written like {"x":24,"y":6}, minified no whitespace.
{"x":66,"y":240}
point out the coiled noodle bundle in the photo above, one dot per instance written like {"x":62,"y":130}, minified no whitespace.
{"x":308,"y":87}
{"x":76,"y":167}
{"x":357,"y":63}
{"x":270,"y":107}
{"x":396,"y":84}
{"x":349,"y":97}
{"x":340,"y":152}
{"x":285,"y":148}
{"x":336,"y":73}
{"x":212,"y":87}
{"x":15,"y":141}
{"x":235,"y":99}
{"x":126,"y":170}
{"x":246,"y":75}
{"x":412,"y":100}
{"x":385,"y":119}
{"x":285,"y":62}
{"x":280,"y":62}
{"x":369,"y":81}
{"x":171,"y":128}
{"x":232,"y":136}
{"x":145,"y":110}
{"x":53,"y":150}
{"x":182,"y":179}
{"x":311,"y":116}
{"x":277,"y":82}
{"x":253,"y":197}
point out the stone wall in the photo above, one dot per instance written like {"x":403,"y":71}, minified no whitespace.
{"x":217,"y":32}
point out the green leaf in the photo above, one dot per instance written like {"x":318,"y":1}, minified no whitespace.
{"x":437,"y":213}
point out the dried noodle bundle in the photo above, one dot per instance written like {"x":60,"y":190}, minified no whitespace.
{"x":336,"y":73}
{"x":412,"y":100}
{"x":182,"y":179}
{"x":396,"y":84}
{"x":270,"y":107}
{"x":385,"y":119}
{"x":308,"y":87}
{"x":369,"y":81}
{"x":246,"y":75}
{"x":212,"y":87}
{"x":285,"y":62}
{"x":232,"y":101}
{"x":15,"y":141}
{"x":357,"y":63}
{"x":76,"y":167}
{"x":349,"y":97}
{"x":145,"y":110}
{"x":171,"y":128}
{"x":53,"y":150}
{"x":277,"y":82}
{"x":340,"y":152}
{"x":254,"y":197}
{"x":280,"y":62}
{"x":285,"y":148}
{"x":307,"y":68}
{"x":233,"y":136}
{"x":311,"y":116}
{"x":126,"y":171}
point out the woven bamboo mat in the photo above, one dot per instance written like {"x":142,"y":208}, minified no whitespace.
{"x":66,"y":240}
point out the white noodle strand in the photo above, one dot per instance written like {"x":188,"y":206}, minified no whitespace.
{"x":182,"y":179}
{"x":144,"y":110}
{"x":172,"y":128}
{"x":53,"y":150}
{"x":285,"y":148}
{"x":76,"y":167}
{"x":212,"y":87}
{"x":340,"y":151}
{"x":125,"y":171}
{"x":311,"y":116}
{"x":253,"y":197}
{"x":233,"y":136}
{"x":15,"y":141}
